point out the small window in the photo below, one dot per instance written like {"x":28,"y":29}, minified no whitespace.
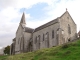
{"x":47,"y":36}
{"x":18,"y":40}
{"x":57,"y":32}
{"x":67,"y":17}
{"x":43,"y":37}
{"x":53,"y":34}
{"x":69,"y":29}
{"x":35,"y":39}
{"x":68,"y":39}
{"x":39,"y":38}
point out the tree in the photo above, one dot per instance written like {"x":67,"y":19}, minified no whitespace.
{"x":7,"y":50}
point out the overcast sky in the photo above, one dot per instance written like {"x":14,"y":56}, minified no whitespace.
{"x":37,"y":12}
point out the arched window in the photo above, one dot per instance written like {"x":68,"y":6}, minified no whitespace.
{"x":39,"y":38}
{"x":69,"y":29}
{"x":43,"y":37}
{"x":52,"y":33}
{"x":18,"y":40}
{"x":47,"y":36}
{"x":38,"y":42}
{"x":35,"y":39}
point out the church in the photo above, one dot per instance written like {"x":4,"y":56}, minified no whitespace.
{"x":56,"y":32}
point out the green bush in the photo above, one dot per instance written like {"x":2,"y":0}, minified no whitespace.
{"x":64,"y":46}
{"x":66,"y":53}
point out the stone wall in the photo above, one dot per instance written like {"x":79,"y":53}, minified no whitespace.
{"x":27,"y":37}
{"x":65,"y":21}
{"x":19,"y":36}
{"x":45,"y":43}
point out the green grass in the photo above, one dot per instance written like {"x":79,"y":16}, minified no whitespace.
{"x":3,"y":57}
{"x":70,"y":51}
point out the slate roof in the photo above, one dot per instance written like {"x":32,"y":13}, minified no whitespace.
{"x":51,"y":22}
{"x":14,"y":39}
{"x":29,"y":30}
{"x":47,"y":24}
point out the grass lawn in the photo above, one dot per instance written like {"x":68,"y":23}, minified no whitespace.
{"x":3,"y":57}
{"x":70,"y":51}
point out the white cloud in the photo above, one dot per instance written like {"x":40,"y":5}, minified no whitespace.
{"x":22,"y":3}
{"x":60,"y":8}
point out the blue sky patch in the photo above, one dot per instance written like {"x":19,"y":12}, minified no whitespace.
{"x":36,"y":12}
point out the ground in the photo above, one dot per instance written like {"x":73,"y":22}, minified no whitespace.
{"x":69,"y":51}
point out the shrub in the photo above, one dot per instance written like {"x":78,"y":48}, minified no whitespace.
{"x":65,"y":46}
{"x":66,"y":53}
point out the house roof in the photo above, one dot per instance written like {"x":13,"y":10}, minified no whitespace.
{"x":29,"y":30}
{"x":46,"y":25}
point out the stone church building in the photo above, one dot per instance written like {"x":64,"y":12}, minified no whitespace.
{"x":56,"y":32}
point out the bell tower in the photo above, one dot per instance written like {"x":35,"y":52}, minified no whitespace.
{"x":23,"y":22}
